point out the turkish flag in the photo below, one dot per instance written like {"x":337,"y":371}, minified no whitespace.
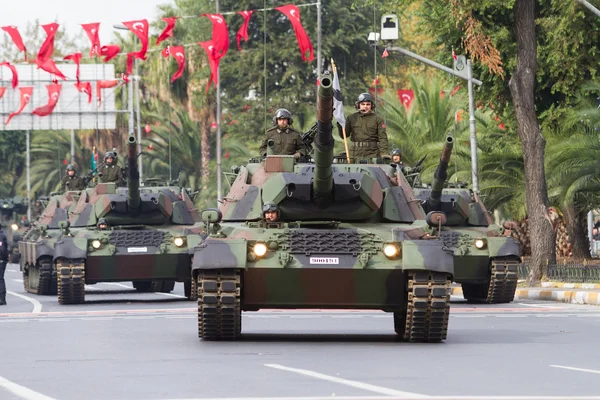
{"x":53,"y":95}
{"x":140,"y":29}
{"x":130,"y":57}
{"x":220,"y":35}
{"x":14,"y":34}
{"x":168,"y":31}
{"x":166,"y":51}
{"x":26,"y":93}
{"x":49,"y":66}
{"x":104,"y":85}
{"x":85,"y":87}
{"x":178,"y":52}
{"x":15,"y":74}
{"x":92,"y":30}
{"x":213,"y":62}
{"x":406,"y":97}
{"x":293,"y":13}
{"x":243,"y":32}
{"x":2,"y":90}
{"x":48,"y":46}
{"x":109,"y":51}
{"x":76,"y":57}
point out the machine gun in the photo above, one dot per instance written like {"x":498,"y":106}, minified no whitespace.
{"x":308,"y":138}
{"x":413,"y":174}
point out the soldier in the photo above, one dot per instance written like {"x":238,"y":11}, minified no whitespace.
{"x":37,"y":209}
{"x":110,"y":172}
{"x":3,"y":261}
{"x":397,"y":156}
{"x":71,"y":181}
{"x":365,"y":130}
{"x":288,"y":141}
{"x":102,"y":224}
{"x":270,"y":212}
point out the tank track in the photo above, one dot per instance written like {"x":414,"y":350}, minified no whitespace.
{"x":46,"y":284}
{"x":219,"y":304}
{"x":428,"y":307}
{"x":502,"y":284}
{"x":71,"y":281}
{"x":191,"y":289}
{"x":162,"y":286}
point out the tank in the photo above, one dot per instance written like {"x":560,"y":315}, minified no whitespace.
{"x":13,"y":217}
{"x":486,"y":256}
{"x":346,"y":236}
{"x":149,"y":231}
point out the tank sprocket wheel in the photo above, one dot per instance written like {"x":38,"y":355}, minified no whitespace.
{"x":71,"y":281}
{"x":219,"y":304}
{"x":428,"y":307}
{"x":501,"y":286}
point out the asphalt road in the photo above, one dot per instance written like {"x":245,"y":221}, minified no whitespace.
{"x":127,"y":345}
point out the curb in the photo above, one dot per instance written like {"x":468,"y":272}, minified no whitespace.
{"x":564,"y":296}
{"x":563,"y":285}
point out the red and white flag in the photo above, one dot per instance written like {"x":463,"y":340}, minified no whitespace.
{"x":293,"y":13}
{"x":53,"y":95}
{"x":15,"y":74}
{"x":243,"y":32}
{"x":168,"y":31}
{"x":109,"y":51}
{"x":48,"y":65}
{"x":47,"y":47}
{"x":104,"y":85}
{"x":76,"y":58}
{"x":26,"y":93}
{"x":139,"y":29}
{"x":85,"y":87}
{"x":213,"y":62}
{"x":2,"y":91}
{"x":178,"y":52}
{"x":14,"y":34}
{"x":92,"y":31}
{"x":454,"y":54}
{"x":406,"y":97}
{"x":220,"y":35}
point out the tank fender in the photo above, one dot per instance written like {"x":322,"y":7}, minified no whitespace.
{"x":70,"y":247}
{"x":503,"y":246}
{"x":218,"y":254}
{"x":426,"y":255}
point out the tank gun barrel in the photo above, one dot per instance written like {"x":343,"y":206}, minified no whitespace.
{"x":324,"y":142}
{"x":133,"y":175}
{"x":441,"y":174}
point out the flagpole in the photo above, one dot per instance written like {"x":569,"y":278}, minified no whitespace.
{"x":334,"y":70}
{"x":219,"y":182}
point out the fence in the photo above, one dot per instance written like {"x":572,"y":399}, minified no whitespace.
{"x":572,"y":273}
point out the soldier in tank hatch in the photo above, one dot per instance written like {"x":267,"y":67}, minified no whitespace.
{"x":110,"y":171}
{"x":71,"y":181}
{"x":288,"y":141}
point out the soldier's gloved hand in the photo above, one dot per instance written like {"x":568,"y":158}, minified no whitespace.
{"x":386,"y":157}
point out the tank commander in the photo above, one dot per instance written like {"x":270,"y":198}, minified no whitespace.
{"x":365,"y":131}
{"x":288,"y":141}
{"x":397,"y":156}
{"x":110,"y":171}
{"x":71,"y":181}
{"x":102,"y":224}
{"x":270,"y":212}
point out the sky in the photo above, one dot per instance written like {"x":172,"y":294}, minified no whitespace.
{"x":71,"y":13}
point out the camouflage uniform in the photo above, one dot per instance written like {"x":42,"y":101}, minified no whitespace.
{"x":72,"y":183}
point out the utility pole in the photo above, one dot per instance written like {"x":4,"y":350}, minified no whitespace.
{"x":219,"y":171}
{"x":28,"y":167}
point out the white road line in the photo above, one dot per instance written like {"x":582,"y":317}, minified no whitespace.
{"x":22,"y":391}
{"x":18,"y":280}
{"x":170,"y":294}
{"x":347,"y":382}
{"x":37,"y":306}
{"x":593,"y":371}
{"x":394,"y":398}
{"x":116,"y":284}
{"x":539,"y":305}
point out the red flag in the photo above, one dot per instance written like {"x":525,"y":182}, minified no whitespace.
{"x":385,"y":54}
{"x":406,"y":97}
{"x":49,"y":66}
{"x":129,"y":64}
{"x":243,"y":32}
{"x":76,"y":57}
{"x":14,"y":34}
{"x":53,"y":94}
{"x":26,"y":93}
{"x":455,"y":90}
{"x":109,"y":51}
{"x":454,"y":54}
{"x":166,"y":51}
{"x":15,"y":74}
{"x":92,"y":31}
{"x":139,"y":29}
{"x":125,"y":77}
{"x":48,"y":46}
{"x":178,"y":53}
{"x":85,"y":87}
{"x":104,"y":85}
{"x":2,"y":90}
{"x":220,"y":35}
{"x":212,"y":61}
{"x":293,"y":13}
{"x":168,"y":31}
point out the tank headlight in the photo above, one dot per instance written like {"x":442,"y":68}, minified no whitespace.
{"x":260,"y":249}
{"x":14,"y":227}
{"x":179,"y":241}
{"x":391,"y":250}
{"x":480,"y":244}
{"x":96,"y":244}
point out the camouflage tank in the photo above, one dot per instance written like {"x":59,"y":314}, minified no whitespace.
{"x":114,"y":234}
{"x":486,"y":256}
{"x":321,"y":235}
{"x":13,"y":217}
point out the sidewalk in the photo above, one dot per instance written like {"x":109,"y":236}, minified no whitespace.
{"x":577,"y":293}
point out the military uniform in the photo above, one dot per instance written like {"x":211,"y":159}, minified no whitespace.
{"x":287,"y":141}
{"x":36,"y":210}
{"x":3,"y":261}
{"x":110,"y":173}
{"x":72,"y":183}
{"x":366,"y":135}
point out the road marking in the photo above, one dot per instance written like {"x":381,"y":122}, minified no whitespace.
{"x":347,"y":382}
{"x":402,"y":398}
{"x":18,"y":280}
{"x":538,"y":305}
{"x":22,"y":391}
{"x":170,"y":295}
{"x":116,"y":284}
{"x":37,"y":306}
{"x":593,"y":371}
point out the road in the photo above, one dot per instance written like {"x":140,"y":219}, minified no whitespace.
{"x":125,"y":345}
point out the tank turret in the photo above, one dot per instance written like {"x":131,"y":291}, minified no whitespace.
{"x":440,"y":176}
{"x":323,"y":144}
{"x":133,"y":175}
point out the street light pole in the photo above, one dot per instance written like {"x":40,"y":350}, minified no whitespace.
{"x":137,"y":106}
{"x":219,"y":181}
{"x":28,"y":167}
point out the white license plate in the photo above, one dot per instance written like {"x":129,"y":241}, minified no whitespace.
{"x":137,"y":249}
{"x":324,"y":260}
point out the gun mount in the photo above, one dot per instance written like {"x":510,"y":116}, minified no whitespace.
{"x":133,"y":175}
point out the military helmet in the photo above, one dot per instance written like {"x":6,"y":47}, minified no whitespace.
{"x":109,"y":154}
{"x":270,"y":207}
{"x":364,"y":97}
{"x":102,"y":221}
{"x":283,"y":113}
{"x":71,"y":167}
{"x":396,"y":152}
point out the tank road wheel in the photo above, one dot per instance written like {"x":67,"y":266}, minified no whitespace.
{"x":190,"y":289}
{"x":428,"y":307}
{"x":219,"y":308}
{"x":71,"y":281}
{"x":501,"y":286}
{"x":40,"y":278}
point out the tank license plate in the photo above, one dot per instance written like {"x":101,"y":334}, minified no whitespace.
{"x":137,"y":249}
{"x":324,"y":260}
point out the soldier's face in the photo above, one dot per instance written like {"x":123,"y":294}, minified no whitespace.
{"x":282,"y":123}
{"x":271,"y":216}
{"x":70,"y":172}
{"x":364,"y":107}
{"x":396,"y":158}
{"x":110,"y":160}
